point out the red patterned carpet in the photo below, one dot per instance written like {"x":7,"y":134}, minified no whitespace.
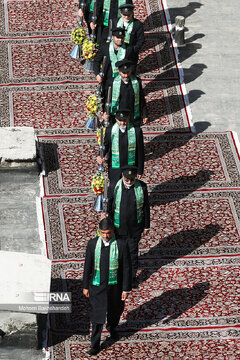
{"x":187,"y":303}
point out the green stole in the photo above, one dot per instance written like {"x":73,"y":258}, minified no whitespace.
{"x":106,"y":9}
{"x":114,"y":58}
{"x":115,"y":145}
{"x":91,"y":5}
{"x":116,"y":95}
{"x":118,"y":196}
{"x":113,"y":262}
{"x":128,"y":29}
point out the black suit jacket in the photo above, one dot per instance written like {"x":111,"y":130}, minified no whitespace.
{"x":104,"y":51}
{"x":113,"y":11}
{"x":127,"y":98}
{"x":128,"y":212}
{"x":87,"y":13}
{"x":123,"y":148}
{"x":99,"y":295}
{"x":137,"y":35}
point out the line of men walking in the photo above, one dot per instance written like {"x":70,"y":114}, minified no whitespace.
{"x":111,"y":260}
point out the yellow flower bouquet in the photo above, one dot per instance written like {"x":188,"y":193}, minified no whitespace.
{"x":89,"y":49}
{"x":93,"y":105}
{"x":98,"y":184}
{"x":78,"y":35}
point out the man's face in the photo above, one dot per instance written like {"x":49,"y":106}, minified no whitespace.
{"x":106,"y":234}
{"x":122,"y":123}
{"x":127,"y":18}
{"x":125,"y":75}
{"x":118,"y":41}
{"x":128,"y":181}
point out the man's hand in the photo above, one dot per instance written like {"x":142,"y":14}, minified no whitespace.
{"x":146,"y":231}
{"x":99,"y":78}
{"x":105,"y":116}
{"x":145,"y":120}
{"x":86,"y":293}
{"x":139,"y":176}
{"x":103,"y":215}
{"x":124,"y":295}
{"x":99,"y":160}
{"x":80,"y":13}
{"x":93,"y":26}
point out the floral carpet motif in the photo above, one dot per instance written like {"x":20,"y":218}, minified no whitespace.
{"x":54,"y":17}
{"x":187,"y":302}
{"x":49,"y":107}
{"x":154,"y":346}
{"x":185,"y":225}
{"x":210,"y":162}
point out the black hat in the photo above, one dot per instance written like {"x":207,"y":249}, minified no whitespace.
{"x":129,"y":171}
{"x":119,"y":32}
{"x":126,"y":9}
{"x":123,"y":114}
{"x":124,"y":65}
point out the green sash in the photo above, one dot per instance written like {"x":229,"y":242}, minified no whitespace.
{"x":116,"y":95}
{"x":113,"y":262}
{"x":106,"y":9}
{"x":91,"y":5}
{"x":115,"y":145}
{"x":114,"y":58}
{"x":118,"y":196}
{"x":128,"y":29}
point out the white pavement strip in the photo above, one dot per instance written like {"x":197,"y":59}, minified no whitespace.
{"x":41,"y":226}
{"x":236,"y":139}
{"x":179,"y":66}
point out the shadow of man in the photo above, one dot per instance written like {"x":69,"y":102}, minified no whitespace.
{"x":162,"y":144}
{"x":186,"y":183}
{"x":64,"y":325}
{"x":175,"y":246}
{"x":167,"y":307}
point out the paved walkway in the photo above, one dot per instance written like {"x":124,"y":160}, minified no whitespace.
{"x":211,"y":60}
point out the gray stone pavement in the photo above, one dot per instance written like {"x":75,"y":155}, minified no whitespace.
{"x":19,"y":232}
{"x":18,"y":218}
{"x":211,"y":61}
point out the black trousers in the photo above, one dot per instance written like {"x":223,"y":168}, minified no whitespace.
{"x":113,"y":317}
{"x":133,"y":249}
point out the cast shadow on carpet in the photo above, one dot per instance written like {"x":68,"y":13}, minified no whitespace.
{"x":156,"y":148}
{"x":63,"y":326}
{"x":49,"y":156}
{"x":187,"y":183}
{"x":166,"y":307}
{"x":180,"y":244}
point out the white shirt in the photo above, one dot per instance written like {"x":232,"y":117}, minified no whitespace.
{"x":106,"y":243}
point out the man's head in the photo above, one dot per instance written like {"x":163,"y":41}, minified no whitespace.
{"x":118,"y":35}
{"x":122,"y":118}
{"x":126,"y":11}
{"x":106,"y":228}
{"x":125,"y":68}
{"x":129,"y":174}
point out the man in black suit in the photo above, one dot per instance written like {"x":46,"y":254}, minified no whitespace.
{"x":128,"y":206}
{"x":134,"y":32}
{"x":127,"y":92}
{"x":114,"y":51}
{"x":86,"y":11}
{"x":123,"y":145}
{"x":106,"y":281}
{"x":108,"y":10}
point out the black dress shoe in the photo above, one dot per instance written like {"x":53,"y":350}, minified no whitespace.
{"x":114,"y":335}
{"x":93,"y":351}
